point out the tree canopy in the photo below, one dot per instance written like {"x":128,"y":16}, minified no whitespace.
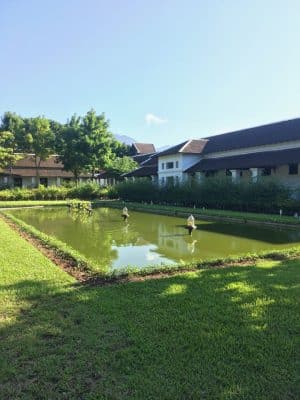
{"x":83,"y":143}
{"x":121,"y":165}
{"x":7,"y":147}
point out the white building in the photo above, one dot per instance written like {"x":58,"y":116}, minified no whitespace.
{"x":272,"y":150}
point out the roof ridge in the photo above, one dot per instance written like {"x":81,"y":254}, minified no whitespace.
{"x":188,"y":142}
{"x":252,"y":127}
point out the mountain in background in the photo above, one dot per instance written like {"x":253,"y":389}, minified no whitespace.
{"x":124,"y":139}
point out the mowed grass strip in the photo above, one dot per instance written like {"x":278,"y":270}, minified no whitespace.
{"x":227,"y":333}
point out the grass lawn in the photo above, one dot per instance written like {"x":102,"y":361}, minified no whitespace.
{"x":227,"y":333}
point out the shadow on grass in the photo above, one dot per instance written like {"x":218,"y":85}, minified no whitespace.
{"x":215,"y":334}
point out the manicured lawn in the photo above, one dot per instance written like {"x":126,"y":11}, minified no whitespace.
{"x":227,"y":333}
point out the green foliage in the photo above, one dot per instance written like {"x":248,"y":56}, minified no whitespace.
{"x":7,"y":145}
{"x":140,"y":190}
{"x":16,"y":125}
{"x":83,"y":191}
{"x":99,"y":140}
{"x":40,"y":138}
{"x":83,"y":143}
{"x":121,"y":165}
{"x":120,"y":149}
{"x":266,"y":195}
{"x":86,"y":144}
{"x":86,"y":191}
{"x":73,"y":148}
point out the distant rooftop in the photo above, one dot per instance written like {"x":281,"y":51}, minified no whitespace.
{"x":144,"y":148}
{"x":192,"y":146}
{"x":277,"y":132}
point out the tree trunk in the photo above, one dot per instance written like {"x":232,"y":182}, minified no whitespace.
{"x":37,"y":172}
{"x":76,"y":177}
{"x":10,"y":181}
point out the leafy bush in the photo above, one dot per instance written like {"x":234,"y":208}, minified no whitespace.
{"x":84,"y":191}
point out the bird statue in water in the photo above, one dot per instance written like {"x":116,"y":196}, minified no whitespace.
{"x":191,"y":224}
{"x":125,"y":214}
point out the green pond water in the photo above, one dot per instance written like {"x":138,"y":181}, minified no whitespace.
{"x":149,"y":239}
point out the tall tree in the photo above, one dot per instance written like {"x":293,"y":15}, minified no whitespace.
{"x":56,"y":128}
{"x":7,"y":145}
{"x":73,"y":148}
{"x":13,"y":123}
{"x":8,"y":157}
{"x":40,"y":141}
{"x":99,"y":140}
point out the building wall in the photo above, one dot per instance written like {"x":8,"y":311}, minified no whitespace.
{"x":184,"y":161}
{"x":280,"y":173}
{"x":30,"y":182}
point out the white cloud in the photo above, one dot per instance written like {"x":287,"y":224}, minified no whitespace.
{"x":154,"y":119}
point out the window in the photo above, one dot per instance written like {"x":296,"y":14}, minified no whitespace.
{"x":293,"y":169}
{"x":266,"y":171}
{"x":44,"y":181}
{"x":162,"y":165}
{"x":169,"y":165}
{"x":228,"y":172}
{"x":177,"y":164}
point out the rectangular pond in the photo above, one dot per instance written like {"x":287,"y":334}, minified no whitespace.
{"x":150,"y":239}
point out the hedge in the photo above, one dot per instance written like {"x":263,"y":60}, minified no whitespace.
{"x":85,"y":191}
{"x":265,"y":195}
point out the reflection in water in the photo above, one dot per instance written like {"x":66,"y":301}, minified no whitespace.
{"x":151,"y":239}
{"x":191,"y":246}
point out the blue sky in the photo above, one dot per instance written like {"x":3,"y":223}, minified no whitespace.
{"x":162,"y":71}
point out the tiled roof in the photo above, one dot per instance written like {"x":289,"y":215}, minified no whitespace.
{"x":49,"y":168}
{"x":144,"y":148}
{"x":277,"y":132}
{"x":150,"y":161}
{"x":147,"y":168}
{"x":142,"y":172}
{"x":27,"y":172}
{"x":253,"y":160}
{"x":193,"y":146}
{"x":140,"y":158}
{"x":28,"y":161}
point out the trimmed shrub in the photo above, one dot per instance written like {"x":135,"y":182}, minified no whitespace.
{"x":85,"y":191}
